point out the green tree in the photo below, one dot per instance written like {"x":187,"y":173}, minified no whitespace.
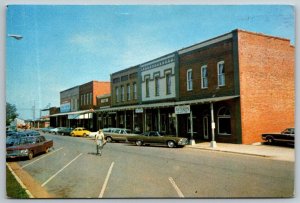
{"x":11,"y":113}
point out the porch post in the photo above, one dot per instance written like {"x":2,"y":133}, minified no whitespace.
{"x":192,"y":141}
{"x":213,"y":143}
{"x":117,"y":120}
{"x":176,"y":120}
{"x":133,"y":124}
{"x":145,"y":120}
{"x":159,"y":119}
{"x":125,"y":121}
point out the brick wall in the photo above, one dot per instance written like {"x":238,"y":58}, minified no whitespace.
{"x":266,"y":71}
{"x":209,"y":56}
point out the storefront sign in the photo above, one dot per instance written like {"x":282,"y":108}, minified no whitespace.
{"x":182,"y":109}
{"x":66,"y":107}
{"x":139,"y":110}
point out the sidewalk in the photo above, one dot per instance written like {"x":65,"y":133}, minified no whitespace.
{"x":284,"y":153}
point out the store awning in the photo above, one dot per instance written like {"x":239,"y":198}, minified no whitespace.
{"x":73,"y":113}
{"x":169,"y":104}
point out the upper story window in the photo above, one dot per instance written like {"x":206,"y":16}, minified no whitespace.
{"x":221,"y":73}
{"x":204,"y":80}
{"x":124,"y":78}
{"x":156,"y":79}
{"x":147,"y":88}
{"x":134,"y":91}
{"x":116,"y":80}
{"x":91,"y":98}
{"x":117,"y":94}
{"x":128,"y":92}
{"x":189,"y":79}
{"x":168,"y":81}
{"x":122,"y":93}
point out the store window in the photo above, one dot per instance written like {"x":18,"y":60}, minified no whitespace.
{"x":224,"y":121}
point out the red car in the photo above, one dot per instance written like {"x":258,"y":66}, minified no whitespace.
{"x":27,"y":146}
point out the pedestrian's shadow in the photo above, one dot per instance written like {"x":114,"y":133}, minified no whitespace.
{"x":93,"y":153}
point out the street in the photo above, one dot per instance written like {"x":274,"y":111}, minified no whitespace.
{"x":73,"y":170}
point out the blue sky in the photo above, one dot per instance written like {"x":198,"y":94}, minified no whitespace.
{"x":65,"y":46}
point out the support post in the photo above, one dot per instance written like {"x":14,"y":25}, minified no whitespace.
{"x":213,"y":143}
{"x":133,"y":124}
{"x":176,"y":124}
{"x":125,"y":120}
{"x":192,"y":141}
{"x":145,"y":120}
{"x":159,"y":120}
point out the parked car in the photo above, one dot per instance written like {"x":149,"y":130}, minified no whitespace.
{"x":10,"y":132}
{"x":55,"y":130}
{"x":46,"y":130}
{"x":287,"y":136}
{"x":155,"y":137}
{"x":28,"y":147}
{"x":27,"y":133}
{"x":64,"y":131}
{"x":82,"y":132}
{"x":116,"y":134}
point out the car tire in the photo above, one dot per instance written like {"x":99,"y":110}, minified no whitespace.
{"x":47,"y":150}
{"x":270,"y":140}
{"x":84,"y":135}
{"x":72,"y":134}
{"x":30,"y":155}
{"x":139,"y":143}
{"x":108,"y":139}
{"x":171,"y":144}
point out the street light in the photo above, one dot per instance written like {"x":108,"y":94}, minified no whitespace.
{"x":17,"y":37}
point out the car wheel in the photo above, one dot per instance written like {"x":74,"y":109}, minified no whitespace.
{"x":47,"y":150}
{"x":270,"y":140}
{"x":72,"y":134}
{"x":30,"y":155}
{"x":138,"y":143}
{"x":108,"y":139}
{"x":171,"y":144}
{"x":84,"y":135}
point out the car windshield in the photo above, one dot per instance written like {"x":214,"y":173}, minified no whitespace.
{"x":20,"y":141}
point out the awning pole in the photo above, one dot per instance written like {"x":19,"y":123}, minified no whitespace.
{"x":213,"y":143}
{"x":125,"y":121}
{"x":133,"y":124}
{"x":158,"y":119}
{"x":192,"y":141}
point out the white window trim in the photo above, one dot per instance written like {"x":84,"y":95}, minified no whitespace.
{"x":128,"y":92}
{"x":134,"y":91}
{"x":187,"y":79}
{"x":122,"y":93}
{"x":220,"y":85}
{"x":202,"y":67}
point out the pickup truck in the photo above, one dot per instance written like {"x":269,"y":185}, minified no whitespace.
{"x":155,"y":137}
{"x":27,"y":146}
{"x":287,"y":135}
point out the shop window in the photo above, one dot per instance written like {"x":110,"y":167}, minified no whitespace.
{"x":224,"y":121}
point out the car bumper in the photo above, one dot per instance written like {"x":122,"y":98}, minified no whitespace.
{"x":16,"y":153}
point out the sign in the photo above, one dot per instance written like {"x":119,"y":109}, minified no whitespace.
{"x":139,"y":110}
{"x":66,"y":107}
{"x":182,"y":109}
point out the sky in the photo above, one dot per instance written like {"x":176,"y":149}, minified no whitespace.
{"x":66,"y":46}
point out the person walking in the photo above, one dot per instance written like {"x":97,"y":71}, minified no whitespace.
{"x":100,"y":142}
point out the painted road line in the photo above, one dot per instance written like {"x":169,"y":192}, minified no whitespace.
{"x":41,"y":158}
{"x":106,"y":180}
{"x":47,"y":181}
{"x":176,"y":187}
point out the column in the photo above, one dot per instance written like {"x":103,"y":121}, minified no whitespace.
{"x":145,"y":121}
{"x":133,"y":124}
{"x":176,"y":124}
{"x":192,"y":141}
{"x":213,"y":143}
{"x":125,"y":120}
{"x":158,"y":119}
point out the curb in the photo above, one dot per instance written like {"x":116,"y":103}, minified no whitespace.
{"x":19,"y":181}
{"x":220,"y":150}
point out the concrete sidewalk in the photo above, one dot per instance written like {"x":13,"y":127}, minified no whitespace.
{"x":285,"y":153}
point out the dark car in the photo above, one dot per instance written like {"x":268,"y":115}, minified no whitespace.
{"x":46,"y":130}
{"x":10,"y":132}
{"x":28,"y":146}
{"x":155,"y":137}
{"x":287,"y":136}
{"x":64,"y":131}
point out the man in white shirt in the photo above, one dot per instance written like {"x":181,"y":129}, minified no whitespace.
{"x":100,"y":141}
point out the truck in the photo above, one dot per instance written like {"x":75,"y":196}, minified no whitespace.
{"x":27,"y":146}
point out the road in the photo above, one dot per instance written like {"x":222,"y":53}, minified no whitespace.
{"x":72,"y":170}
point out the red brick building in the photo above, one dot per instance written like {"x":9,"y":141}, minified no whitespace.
{"x":249,"y":79}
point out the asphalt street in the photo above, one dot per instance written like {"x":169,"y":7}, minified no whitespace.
{"x":73,"y":170}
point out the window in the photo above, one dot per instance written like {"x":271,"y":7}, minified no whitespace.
{"x":134,"y":91}
{"x":189,"y":80}
{"x":224,"y":126}
{"x":156,"y":86}
{"x":122,"y":93}
{"x":128,"y":92}
{"x":147,"y":88}
{"x":91,"y":98}
{"x":204,"y":80}
{"x":168,"y":80}
{"x":117,"y":94}
{"x":221,"y":74}
{"x":81,"y":99}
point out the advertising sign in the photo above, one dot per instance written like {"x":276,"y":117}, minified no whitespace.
{"x":66,"y":107}
{"x":182,"y":109}
{"x":139,"y":110}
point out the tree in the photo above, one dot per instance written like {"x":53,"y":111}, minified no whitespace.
{"x":11,"y":113}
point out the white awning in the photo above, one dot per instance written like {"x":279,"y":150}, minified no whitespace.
{"x":169,"y":104}
{"x":73,"y":113}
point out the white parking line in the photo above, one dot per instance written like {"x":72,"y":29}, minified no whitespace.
{"x":106,"y":180}
{"x":41,"y":158}
{"x":60,"y":170}
{"x":176,"y":187}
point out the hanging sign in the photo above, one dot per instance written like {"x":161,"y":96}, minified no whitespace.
{"x":139,"y":110}
{"x":185,"y":109}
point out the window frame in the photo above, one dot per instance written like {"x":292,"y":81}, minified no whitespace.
{"x":204,"y":78}
{"x":168,"y":83}
{"x":221,"y":74}
{"x":189,"y":80}
{"x":128,"y":92}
